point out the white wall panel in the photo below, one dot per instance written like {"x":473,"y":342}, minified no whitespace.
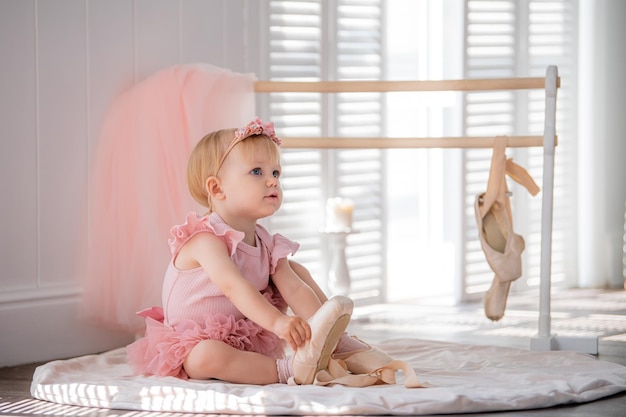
{"x":18,"y":156}
{"x":201,"y":37}
{"x":110,"y":58}
{"x":62,"y":136}
{"x":156,"y":36}
{"x":235,"y":35}
{"x":63,"y":64}
{"x":47,"y":329}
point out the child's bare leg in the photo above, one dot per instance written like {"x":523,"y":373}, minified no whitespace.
{"x":305,"y":276}
{"x":215,"y":359}
{"x":360,"y":357}
{"x":346,"y":343}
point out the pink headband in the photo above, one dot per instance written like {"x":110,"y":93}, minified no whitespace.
{"x":255,"y":127}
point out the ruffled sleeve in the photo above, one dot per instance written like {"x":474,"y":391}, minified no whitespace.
{"x":196,"y":224}
{"x":279,"y":246}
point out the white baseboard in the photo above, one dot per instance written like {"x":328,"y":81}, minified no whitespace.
{"x":47,"y":329}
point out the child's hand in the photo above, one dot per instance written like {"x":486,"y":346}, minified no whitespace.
{"x":294,"y":329}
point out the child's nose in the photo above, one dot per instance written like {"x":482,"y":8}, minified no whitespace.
{"x":272,"y":181}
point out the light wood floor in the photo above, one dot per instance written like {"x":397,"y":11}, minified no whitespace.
{"x":591,"y":312}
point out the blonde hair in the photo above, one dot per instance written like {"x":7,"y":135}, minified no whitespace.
{"x":208,"y":154}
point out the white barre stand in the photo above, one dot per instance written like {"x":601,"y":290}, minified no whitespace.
{"x":338,"y":272}
{"x":545,"y":340}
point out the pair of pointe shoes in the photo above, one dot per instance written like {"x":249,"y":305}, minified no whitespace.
{"x":315,"y":363}
{"x":502,"y":247}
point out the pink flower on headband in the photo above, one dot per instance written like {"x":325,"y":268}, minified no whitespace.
{"x":257,"y":127}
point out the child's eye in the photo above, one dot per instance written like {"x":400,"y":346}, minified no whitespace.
{"x":256,"y":171}
{"x":276,"y":173}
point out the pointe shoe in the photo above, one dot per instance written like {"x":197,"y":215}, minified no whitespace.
{"x":327,"y":326}
{"x":495,"y":299}
{"x":502,"y":247}
{"x":366,"y":360}
{"x":374,"y":362}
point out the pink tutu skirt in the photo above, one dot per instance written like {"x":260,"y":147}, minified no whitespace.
{"x":163,"y":350}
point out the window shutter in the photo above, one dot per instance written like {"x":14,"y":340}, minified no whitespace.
{"x":508,"y":39}
{"x":330,"y":40}
{"x":553,"y":41}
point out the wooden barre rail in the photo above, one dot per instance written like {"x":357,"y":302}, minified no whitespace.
{"x":400,"y":86}
{"x":414,"y":142}
{"x":492,"y":84}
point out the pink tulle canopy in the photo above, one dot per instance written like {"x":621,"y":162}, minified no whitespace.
{"x":138,"y":187}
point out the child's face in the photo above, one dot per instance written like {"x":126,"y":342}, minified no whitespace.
{"x":251,"y":184}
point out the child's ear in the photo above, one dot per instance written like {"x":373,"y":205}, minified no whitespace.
{"x":214,"y":188}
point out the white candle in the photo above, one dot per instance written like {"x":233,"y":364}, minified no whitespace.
{"x":339,"y":214}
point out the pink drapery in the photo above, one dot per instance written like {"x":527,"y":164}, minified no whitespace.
{"x":138,"y":187}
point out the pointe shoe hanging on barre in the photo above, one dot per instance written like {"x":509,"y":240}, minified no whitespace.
{"x":502,"y":247}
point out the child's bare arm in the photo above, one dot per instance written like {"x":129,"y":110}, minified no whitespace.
{"x":297,"y":293}
{"x":211,"y":253}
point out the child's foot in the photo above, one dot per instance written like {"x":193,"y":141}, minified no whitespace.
{"x":369,"y":360}
{"x":327,"y":326}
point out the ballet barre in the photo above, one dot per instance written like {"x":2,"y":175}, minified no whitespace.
{"x":544,"y":340}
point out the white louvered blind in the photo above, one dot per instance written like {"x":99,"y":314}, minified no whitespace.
{"x":330,"y":40}
{"x":509,"y":38}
